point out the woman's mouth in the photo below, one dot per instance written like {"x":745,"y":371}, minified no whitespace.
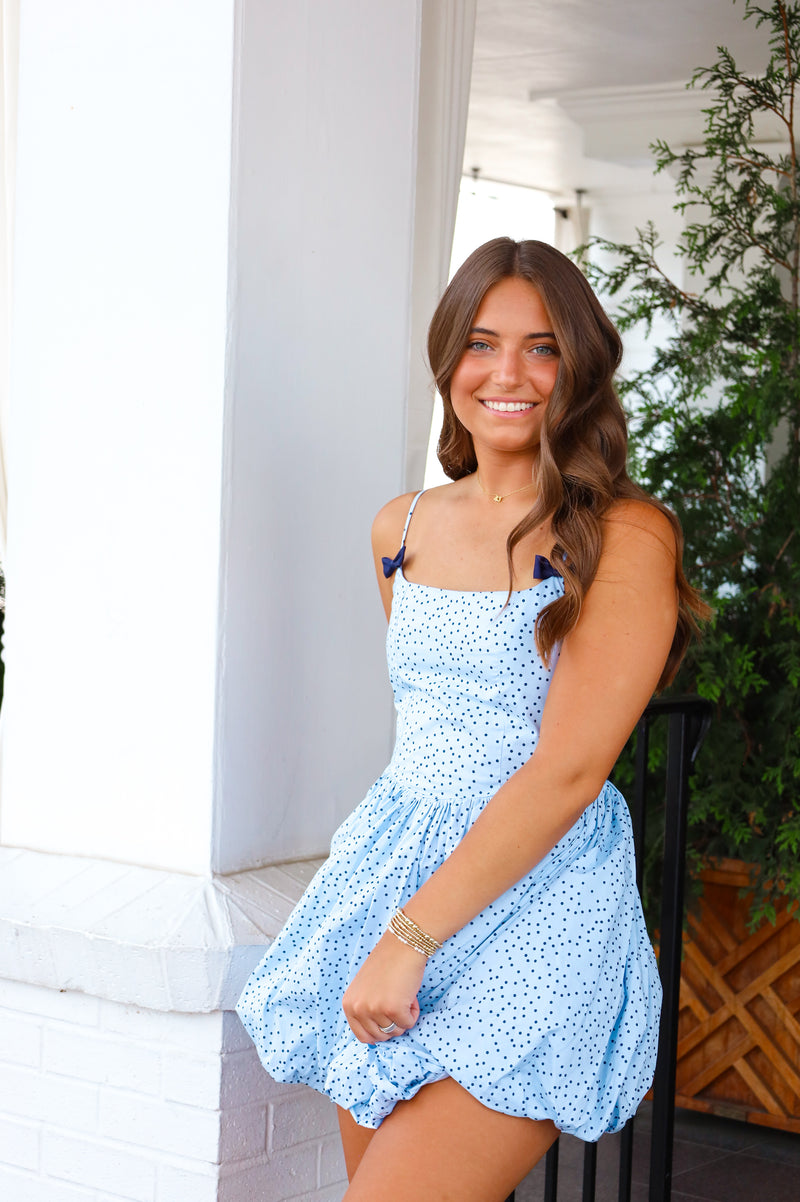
{"x":509,"y":406}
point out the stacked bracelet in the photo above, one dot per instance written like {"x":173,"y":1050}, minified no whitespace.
{"x":407,"y":931}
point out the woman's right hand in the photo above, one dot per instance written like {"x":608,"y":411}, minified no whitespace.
{"x":384,"y":991}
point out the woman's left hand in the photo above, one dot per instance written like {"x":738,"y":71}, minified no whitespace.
{"x":384,"y":991}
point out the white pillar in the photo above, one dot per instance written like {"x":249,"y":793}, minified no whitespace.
{"x":323,"y":229}
{"x":226,"y":364}
{"x":116,"y":424}
{"x":217,"y":265}
{"x":354,"y":168}
{"x":9,"y":37}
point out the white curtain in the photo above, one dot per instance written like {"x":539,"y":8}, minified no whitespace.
{"x":447,"y":36}
{"x":9,"y":45}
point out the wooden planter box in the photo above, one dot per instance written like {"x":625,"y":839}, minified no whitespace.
{"x":739,"y":1025}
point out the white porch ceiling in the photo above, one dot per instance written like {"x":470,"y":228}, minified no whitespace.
{"x":567,"y":94}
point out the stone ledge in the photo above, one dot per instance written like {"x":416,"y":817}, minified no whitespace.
{"x":163,"y":940}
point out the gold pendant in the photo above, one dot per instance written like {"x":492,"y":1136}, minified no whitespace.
{"x":497,"y":499}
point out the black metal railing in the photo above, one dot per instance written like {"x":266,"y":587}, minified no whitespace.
{"x":689,"y":720}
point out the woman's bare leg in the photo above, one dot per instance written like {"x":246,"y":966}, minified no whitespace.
{"x":445,"y":1146}
{"x":355,"y":1140}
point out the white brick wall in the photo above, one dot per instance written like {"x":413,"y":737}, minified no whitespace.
{"x":123,"y":1077}
{"x":105,"y":1102}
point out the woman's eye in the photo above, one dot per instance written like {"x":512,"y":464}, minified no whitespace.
{"x":477,"y":345}
{"x":544,"y":351}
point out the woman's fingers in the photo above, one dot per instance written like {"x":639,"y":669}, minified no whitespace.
{"x":381,"y":1020}
{"x":386,"y":1029}
{"x":372,"y":1024}
{"x":372,"y":1030}
{"x":376,"y":1021}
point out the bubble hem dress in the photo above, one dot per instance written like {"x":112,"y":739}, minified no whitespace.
{"x":546,"y":1005}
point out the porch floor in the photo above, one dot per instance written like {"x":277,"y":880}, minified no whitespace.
{"x":714,"y":1160}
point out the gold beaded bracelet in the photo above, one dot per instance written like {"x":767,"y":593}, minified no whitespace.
{"x":407,"y":931}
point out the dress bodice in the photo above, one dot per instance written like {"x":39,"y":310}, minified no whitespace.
{"x":469,"y":685}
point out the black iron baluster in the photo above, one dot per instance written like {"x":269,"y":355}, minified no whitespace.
{"x":589,"y":1172}
{"x":670,"y":960}
{"x":625,"y":1179}
{"x":639,"y":817}
{"x":551,"y":1173}
{"x":688,"y":722}
{"x":640,"y":794}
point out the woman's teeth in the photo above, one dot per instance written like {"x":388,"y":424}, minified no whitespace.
{"x":508,"y":406}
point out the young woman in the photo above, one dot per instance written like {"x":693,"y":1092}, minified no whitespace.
{"x":469,"y":973}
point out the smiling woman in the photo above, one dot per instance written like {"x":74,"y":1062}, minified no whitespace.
{"x":469,"y":973}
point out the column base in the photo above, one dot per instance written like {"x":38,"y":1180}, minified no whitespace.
{"x":123,"y":1072}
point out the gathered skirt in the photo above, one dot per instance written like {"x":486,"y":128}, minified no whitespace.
{"x":546,"y":1005}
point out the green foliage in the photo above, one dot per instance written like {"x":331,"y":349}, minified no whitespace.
{"x":715,"y":426}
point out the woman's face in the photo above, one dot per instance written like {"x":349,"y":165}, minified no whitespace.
{"x":503,"y":381}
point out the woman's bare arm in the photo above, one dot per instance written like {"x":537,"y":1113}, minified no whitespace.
{"x":608,"y":668}
{"x":387,"y":535}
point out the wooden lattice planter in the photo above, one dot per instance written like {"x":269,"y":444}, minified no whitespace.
{"x":739,"y":1027}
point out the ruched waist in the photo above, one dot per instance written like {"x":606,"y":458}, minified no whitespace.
{"x":401,"y":803}
{"x":403,"y":784}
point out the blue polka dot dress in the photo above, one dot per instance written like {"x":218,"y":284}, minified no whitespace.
{"x":546,"y":1004}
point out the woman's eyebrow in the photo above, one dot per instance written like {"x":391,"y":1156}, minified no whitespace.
{"x":494,"y":334}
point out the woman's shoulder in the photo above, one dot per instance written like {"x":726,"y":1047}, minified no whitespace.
{"x":387,"y":528}
{"x":631,"y":525}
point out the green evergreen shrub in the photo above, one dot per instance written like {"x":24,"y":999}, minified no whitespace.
{"x":715,"y":423}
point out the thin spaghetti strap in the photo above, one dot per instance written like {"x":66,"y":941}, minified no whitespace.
{"x":411,"y":513}
{"x":390,"y":566}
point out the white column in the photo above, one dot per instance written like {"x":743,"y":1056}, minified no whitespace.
{"x":116,"y":421}
{"x":9,"y":36}
{"x":322,"y":233}
{"x":212,"y":355}
{"x":218,"y":263}
{"x":355,"y":158}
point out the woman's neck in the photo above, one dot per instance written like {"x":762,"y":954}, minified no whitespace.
{"x":498,"y":477}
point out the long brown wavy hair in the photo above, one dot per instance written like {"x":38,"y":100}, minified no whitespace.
{"x":581,"y":469}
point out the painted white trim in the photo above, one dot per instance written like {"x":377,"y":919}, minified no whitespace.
{"x":620,"y":124}
{"x":594,"y":104}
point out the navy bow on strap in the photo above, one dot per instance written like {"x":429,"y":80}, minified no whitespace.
{"x":542,"y":568}
{"x":390,"y":566}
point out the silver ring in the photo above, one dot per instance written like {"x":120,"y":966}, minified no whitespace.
{"x":386,"y":1030}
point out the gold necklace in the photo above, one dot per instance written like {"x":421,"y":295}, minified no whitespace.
{"x":496,"y":496}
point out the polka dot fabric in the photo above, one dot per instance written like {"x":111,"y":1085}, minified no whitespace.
{"x":547,"y":1004}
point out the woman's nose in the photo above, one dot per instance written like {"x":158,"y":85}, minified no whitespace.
{"x":508,"y":368}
